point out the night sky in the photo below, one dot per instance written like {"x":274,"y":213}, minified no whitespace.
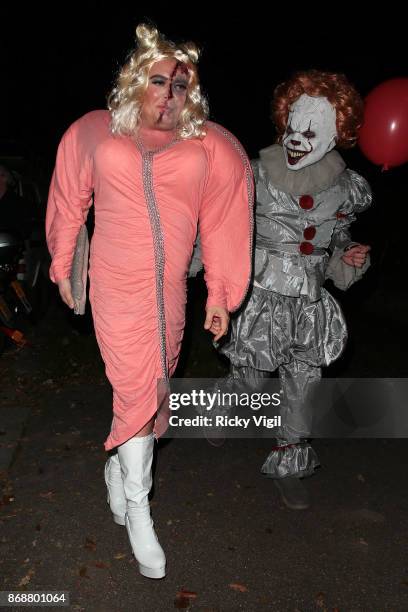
{"x":60,"y":63}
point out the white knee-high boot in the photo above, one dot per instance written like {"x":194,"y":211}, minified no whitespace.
{"x":135,"y":457}
{"x":116,"y":491}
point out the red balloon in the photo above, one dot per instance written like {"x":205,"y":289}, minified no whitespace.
{"x":383,"y":137}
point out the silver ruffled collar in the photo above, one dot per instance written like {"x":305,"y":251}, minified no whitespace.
{"x":311,"y":179}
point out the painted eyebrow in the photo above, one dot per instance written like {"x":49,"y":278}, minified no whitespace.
{"x":179,"y":79}
{"x":159,"y":76}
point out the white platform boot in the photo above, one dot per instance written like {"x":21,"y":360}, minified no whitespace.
{"x":135,"y":457}
{"x":116,"y":491}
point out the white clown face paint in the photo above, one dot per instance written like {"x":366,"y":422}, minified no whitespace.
{"x":310,"y":131}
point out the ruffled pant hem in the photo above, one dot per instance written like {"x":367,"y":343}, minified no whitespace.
{"x":298,"y":460}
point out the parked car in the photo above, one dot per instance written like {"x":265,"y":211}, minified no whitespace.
{"x":35,"y":260}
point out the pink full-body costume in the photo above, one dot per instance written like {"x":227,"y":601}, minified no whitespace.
{"x":147,"y":205}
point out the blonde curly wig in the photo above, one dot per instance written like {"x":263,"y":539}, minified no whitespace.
{"x":126,"y":98}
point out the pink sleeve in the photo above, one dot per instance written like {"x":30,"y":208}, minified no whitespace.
{"x":69,"y":199}
{"x":226,"y":220}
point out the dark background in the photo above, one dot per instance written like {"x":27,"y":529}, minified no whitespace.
{"x":60,"y":63}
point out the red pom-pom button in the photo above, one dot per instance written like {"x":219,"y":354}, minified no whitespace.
{"x":306,"y":202}
{"x":309,"y":233}
{"x":306,"y":248}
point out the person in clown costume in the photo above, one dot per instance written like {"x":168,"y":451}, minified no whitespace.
{"x":306,"y":202}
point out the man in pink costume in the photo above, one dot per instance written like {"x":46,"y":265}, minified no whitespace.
{"x":155,"y":168}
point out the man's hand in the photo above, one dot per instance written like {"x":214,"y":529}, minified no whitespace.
{"x":217,"y":321}
{"x":64,"y":287}
{"x":356,"y":255}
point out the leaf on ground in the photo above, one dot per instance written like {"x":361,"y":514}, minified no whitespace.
{"x":90,"y":544}
{"x":120,"y":556}
{"x":183,"y":598}
{"x":24,"y":581}
{"x":101,"y":565}
{"x":83,"y":572}
{"x":7,"y":516}
{"x":320,"y":600}
{"x":48,"y":495}
{"x":241,"y":588}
